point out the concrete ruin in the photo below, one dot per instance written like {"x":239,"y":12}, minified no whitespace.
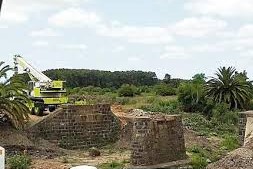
{"x":246,"y":128}
{"x":79,"y":126}
{"x":156,"y":140}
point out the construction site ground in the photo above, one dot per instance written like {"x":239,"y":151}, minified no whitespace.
{"x":48,"y":155}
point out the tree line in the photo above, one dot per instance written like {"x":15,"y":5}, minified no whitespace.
{"x":104,"y":79}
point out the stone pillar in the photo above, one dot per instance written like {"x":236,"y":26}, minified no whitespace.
{"x":157,"y":140}
{"x":246,"y":128}
{"x":242,"y":126}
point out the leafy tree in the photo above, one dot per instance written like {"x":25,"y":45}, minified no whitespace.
{"x":199,"y":78}
{"x":164,"y":90}
{"x":167,"y":78}
{"x":127,"y":90}
{"x":12,"y":99}
{"x":230,"y":87}
{"x":192,"y":95}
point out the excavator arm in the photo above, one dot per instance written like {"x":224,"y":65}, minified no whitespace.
{"x":34,"y":74}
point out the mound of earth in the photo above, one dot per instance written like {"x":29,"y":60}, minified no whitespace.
{"x":10,"y":136}
{"x":18,"y":142}
{"x":240,"y":158}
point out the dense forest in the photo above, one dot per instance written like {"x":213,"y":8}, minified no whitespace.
{"x":103,"y":79}
{"x":107,"y":79}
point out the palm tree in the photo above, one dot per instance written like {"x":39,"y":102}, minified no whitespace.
{"x":229,"y":87}
{"x":12,"y":99}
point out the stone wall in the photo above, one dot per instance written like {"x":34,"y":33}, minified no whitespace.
{"x":242,"y":126}
{"x":79,"y":126}
{"x":157,"y":140}
{"x":246,"y":128}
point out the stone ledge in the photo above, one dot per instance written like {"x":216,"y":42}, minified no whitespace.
{"x":180,"y":164}
{"x":247,"y":113}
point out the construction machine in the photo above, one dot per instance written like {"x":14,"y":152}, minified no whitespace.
{"x":44,"y":92}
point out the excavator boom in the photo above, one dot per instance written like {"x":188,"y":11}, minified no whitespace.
{"x":32,"y":72}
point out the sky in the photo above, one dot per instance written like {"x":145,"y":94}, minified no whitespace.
{"x":179,"y":37}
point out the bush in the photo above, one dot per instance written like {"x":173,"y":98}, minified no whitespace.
{"x":192,"y":97}
{"x":123,"y":100}
{"x":151,"y":99}
{"x":19,"y":162}
{"x":221,"y":114}
{"x":169,"y":107}
{"x":127,"y":90}
{"x":112,"y":165}
{"x":164,"y":90}
{"x":230,"y":142}
{"x":145,"y":89}
{"x":215,"y":126}
{"x":198,"y":162}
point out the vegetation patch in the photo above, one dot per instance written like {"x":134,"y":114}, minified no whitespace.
{"x":113,"y":165}
{"x":19,"y":162}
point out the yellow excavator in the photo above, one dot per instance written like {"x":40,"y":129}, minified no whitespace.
{"x":44,"y":92}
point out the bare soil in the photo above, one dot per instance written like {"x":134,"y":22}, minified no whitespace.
{"x":241,"y":158}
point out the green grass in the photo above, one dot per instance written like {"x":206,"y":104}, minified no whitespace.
{"x":201,"y":156}
{"x":146,"y":100}
{"x":203,"y":126}
{"x":113,"y":165}
{"x":19,"y":162}
{"x":230,"y":142}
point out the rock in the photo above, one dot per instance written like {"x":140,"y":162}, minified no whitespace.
{"x":94,"y":152}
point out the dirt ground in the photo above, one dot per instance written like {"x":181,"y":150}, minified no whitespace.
{"x":241,"y":158}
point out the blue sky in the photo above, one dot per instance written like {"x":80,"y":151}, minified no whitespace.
{"x":179,"y":37}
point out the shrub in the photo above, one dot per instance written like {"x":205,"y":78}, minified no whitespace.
{"x":127,"y":90}
{"x":192,"y":97}
{"x":145,"y":89}
{"x":198,"y":162}
{"x":215,"y":126}
{"x":169,"y":107}
{"x":230,"y":142}
{"x":164,"y":90}
{"x":19,"y":162}
{"x":151,"y":99}
{"x":112,"y":165}
{"x":198,"y":123}
{"x":123,"y":100}
{"x":221,"y":114}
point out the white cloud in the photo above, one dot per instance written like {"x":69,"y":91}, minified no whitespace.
{"x":188,"y":27}
{"x":175,"y":52}
{"x":40,"y":43}
{"x":47,"y":32}
{"x":198,"y":27}
{"x":17,"y":11}
{"x":3,"y":26}
{"x":118,"y":49}
{"x":224,"y":8}
{"x":137,"y":34}
{"x":208,"y":48}
{"x":133,"y":59}
{"x":185,"y":52}
{"x":74,"y":46}
{"x":246,"y":31}
{"x":74,"y":17}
